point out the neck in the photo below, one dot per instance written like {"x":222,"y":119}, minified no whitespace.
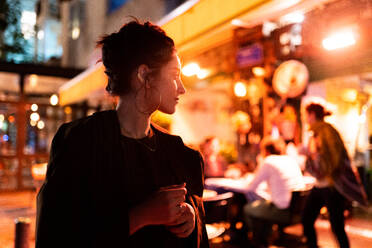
{"x":133,"y":123}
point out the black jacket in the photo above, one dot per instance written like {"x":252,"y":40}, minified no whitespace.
{"x":82,"y":202}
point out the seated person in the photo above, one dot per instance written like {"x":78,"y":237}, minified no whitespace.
{"x":282,"y":175}
{"x":214,"y":163}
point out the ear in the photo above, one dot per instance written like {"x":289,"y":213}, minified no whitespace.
{"x":142,"y":73}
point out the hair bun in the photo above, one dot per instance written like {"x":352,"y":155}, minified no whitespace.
{"x":326,"y":113}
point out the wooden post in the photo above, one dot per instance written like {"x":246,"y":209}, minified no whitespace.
{"x":22,"y":232}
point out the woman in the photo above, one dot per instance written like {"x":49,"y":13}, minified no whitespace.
{"x":115,"y":179}
{"x":329,"y":163}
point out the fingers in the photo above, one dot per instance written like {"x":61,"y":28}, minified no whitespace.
{"x":182,"y":185}
{"x":182,"y":216}
{"x":183,"y":230}
{"x":185,"y":223}
{"x":175,"y":194}
{"x":175,"y":190}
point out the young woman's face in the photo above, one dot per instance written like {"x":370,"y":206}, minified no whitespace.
{"x":169,"y":85}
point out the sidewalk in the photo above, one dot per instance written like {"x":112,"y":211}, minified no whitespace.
{"x":12,"y":206}
{"x":22,"y":204}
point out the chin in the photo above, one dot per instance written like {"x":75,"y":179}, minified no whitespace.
{"x":168,"y":110}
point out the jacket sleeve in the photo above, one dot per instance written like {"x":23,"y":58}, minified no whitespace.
{"x":195,"y":187}
{"x":78,"y":204}
{"x":61,"y":201}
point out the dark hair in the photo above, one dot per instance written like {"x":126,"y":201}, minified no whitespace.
{"x":134,"y":44}
{"x":273,"y":145}
{"x":318,"y":110}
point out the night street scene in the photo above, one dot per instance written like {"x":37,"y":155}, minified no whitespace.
{"x":185,"y":123}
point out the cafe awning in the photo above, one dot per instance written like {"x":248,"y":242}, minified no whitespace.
{"x":195,"y":26}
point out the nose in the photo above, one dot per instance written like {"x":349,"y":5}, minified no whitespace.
{"x":181,"y":88}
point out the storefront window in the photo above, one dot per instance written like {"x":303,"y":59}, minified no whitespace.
{"x":8,"y":129}
{"x":8,"y":173}
{"x":42,"y":123}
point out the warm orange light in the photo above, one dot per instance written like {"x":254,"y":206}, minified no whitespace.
{"x":40,"y":125}
{"x":258,"y":71}
{"x":202,"y":73}
{"x":349,"y":95}
{"x":54,"y":99}
{"x":34,"y":107}
{"x":11,"y":119}
{"x":35,"y":116}
{"x":33,"y":123}
{"x":38,"y":171}
{"x":33,"y":80}
{"x":68,"y":110}
{"x":239,"y":225}
{"x":340,"y":39}
{"x":323,"y":210}
{"x":240,"y":90}
{"x":190,"y":69}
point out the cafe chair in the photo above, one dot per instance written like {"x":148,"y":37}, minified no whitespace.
{"x":295,"y":209}
{"x":216,"y":207}
{"x":216,"y":214}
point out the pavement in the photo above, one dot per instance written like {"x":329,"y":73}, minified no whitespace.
{"x":22,"y":204}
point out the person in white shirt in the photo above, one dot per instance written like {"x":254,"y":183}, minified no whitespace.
{"x":282,"y":175}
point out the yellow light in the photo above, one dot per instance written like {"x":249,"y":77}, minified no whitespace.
{"x":2,"y":117}
{"x":202,"y":73}
{"x":75,"y":33}
{"x":35,"y":116}
{"x":340,"y":39}
{"x":40,"y":125}
{"x":53,"y":99}
{"x":34,"y":107}
{"x":33,"y":123}
{"x":258,"y":71}
{"x":190,"y":69}
{"x":349,"y":95}
{"x":238,"y":23}
{"x":240,"y":89}
{"x":33,"y":80}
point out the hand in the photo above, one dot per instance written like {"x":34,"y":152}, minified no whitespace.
{"x":164,"y":206}
{"x":185,"y":224}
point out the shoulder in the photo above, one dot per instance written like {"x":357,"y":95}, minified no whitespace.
{"x":321,"y":126}
{"x":82,"y":125}
{"x":280,"y":161}
{"x":175,"y":144}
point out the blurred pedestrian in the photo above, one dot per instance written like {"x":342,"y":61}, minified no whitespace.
{"x":336,"y":182}
{"x":115,"y":179}
{"x":214,"y":163}
{"x":269,"y":193}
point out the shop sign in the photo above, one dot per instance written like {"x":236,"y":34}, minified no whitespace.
{"x":249,"y":55}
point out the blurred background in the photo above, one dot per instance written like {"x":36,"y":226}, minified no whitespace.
{"x":249,"y":67}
